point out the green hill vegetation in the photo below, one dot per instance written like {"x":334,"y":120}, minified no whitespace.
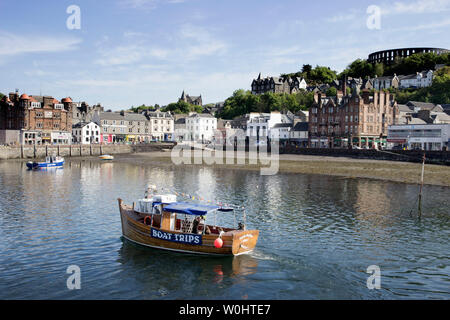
{"x":313,"y":76}
{"x":243,"y":102}
{"x":438,"y":92}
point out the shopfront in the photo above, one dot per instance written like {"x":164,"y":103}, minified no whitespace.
{"x":61,"y":138}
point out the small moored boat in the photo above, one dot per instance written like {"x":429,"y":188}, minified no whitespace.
{"x":50,"y":162}
{"x":106,"y":157}
{"x":159,"y":221}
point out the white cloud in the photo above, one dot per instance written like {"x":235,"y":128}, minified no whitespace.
{"x":13,"y":44}
{"x":121,"y":55}
{"x":199,"y":42}
{"x":416,"y":7}
{"x":148,"y":4}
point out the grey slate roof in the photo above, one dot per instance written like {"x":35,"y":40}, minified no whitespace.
{"x":404,"y":108}
{"x":282,"y":125}
{"x":301,"y":126}
{"x":421,"y":105}
{"x":111,"y":116}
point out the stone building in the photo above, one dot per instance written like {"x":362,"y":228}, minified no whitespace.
{"x":35,"y":119}
{"x":82,"y":112}
{"x":359,"y":119}
{"x":277,"y":85}
{"x":195,"y":100}
{"x":127,"y":127}
{"x":162,"y":125}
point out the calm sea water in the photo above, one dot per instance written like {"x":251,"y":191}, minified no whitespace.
{"x":318,"y":235}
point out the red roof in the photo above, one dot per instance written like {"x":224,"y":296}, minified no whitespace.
{"x":66,"y":100}
{"x":24,"y":96}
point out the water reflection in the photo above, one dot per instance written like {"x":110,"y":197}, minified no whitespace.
{"x":318,"y":234}
{"x":173,"y":275}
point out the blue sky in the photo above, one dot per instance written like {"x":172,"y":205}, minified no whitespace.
{"x":133,"y":52}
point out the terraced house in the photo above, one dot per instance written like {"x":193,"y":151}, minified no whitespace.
{"x":277,"y":85}
{"x":360,"y":119}
{"x":122,"y":127}
{"x":28,"y":119}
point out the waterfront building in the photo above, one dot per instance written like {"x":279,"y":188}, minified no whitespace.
{"x":37,"y":120}
{"x":280,"y":131}
{"x":113,"y":127}
{"x":201,"y":126}
{"x":86,"y":133}
{"x":419,"y":136}
{"x":299,"y":134}
{"x":195,"y":100}
{"x":354,"y":119}
{"x":161,"y":125}
{"x":277,"y":85}
{"x":260,"y":124}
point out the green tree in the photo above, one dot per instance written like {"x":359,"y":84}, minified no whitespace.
{"x":322,"y":74}
{"x":379,"y":69}
{"x":332,"y":92}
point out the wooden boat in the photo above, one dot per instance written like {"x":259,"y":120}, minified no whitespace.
{"x":106,"y":157}
{"x":162,"y":222}
{"x":50,"y":162}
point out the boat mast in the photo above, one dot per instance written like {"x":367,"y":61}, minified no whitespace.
{"x":421,"y":186}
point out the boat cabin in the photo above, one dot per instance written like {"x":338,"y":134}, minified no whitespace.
{"x":165,"y":213}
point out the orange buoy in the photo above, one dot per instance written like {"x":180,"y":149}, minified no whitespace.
{"x":218,"y":243}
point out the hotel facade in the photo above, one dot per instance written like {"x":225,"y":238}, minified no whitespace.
{"x":360,"y":119}
{"x":35,"y":120}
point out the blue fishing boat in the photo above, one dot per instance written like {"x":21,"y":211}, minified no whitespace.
{"x":50,"y":162}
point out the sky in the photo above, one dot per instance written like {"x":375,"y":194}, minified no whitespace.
{"x":132,"y":52}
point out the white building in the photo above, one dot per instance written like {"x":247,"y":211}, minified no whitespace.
{"x":259,"y":125}
{"x":280,"y":131}
{"x":201,"y":127}
{"x":380,"y":83}
{"x":162,"y":125}
{"x":419,"y":80}
{"x":299,"y":134}
{"x":420,"y":136}
{"x":86,"y":133}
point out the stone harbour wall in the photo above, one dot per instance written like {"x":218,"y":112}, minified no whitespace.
{"x":33,"y":152}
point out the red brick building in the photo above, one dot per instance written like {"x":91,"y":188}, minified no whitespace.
{"x":28,"y":119}
{"x":360,"y":119}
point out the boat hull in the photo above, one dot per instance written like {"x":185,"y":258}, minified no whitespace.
{"x":43,"y":165}
{"x":234,"y":243}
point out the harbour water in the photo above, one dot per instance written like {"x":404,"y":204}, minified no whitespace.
{"x":318,"y":235}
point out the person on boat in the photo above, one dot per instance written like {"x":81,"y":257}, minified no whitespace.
{"x":207,"y":230}
{"x":195,"y":224}
{"x":241,"y":226}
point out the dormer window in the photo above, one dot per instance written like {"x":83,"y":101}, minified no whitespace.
{"x":59,"y":106}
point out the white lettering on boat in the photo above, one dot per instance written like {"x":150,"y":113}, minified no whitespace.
{"x":174,"y":237}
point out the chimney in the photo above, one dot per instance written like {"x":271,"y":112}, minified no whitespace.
{"x":366,"y":96}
